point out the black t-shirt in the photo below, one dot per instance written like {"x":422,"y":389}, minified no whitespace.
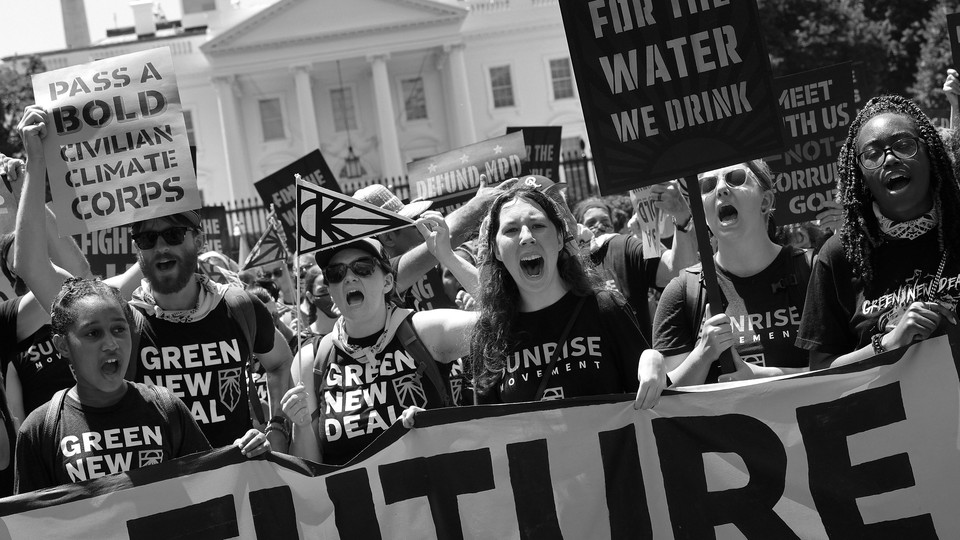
{"x":39,"y":367}
{"x":90,"y":442}
{"x":764,"y":311}
{"x":841,"y":316}
{"x":360,"y":398}
{"x":599,"y":356}
{"x":204,"y":363}
{"x":621,"y":264}
{"x":427,"y":291}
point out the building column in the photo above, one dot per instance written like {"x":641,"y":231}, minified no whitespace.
{"x":466,"y":131}
{"x":390,"y":158}
{"x":231,"y":130}
{"x":308,"y":115}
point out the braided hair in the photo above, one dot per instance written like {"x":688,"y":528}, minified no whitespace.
{"x":62,"y":316}
{"x":860,"y":232}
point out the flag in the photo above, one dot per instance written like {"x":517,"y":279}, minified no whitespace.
{"x":329,"y":219}
{"x":269,"y":248}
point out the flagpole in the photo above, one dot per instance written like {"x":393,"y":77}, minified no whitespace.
{"x":296,"y":180}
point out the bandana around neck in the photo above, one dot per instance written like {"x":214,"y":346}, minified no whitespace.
{"x":392,"y":320}
{"x":209,"y":297}
{"x":906,"y":230}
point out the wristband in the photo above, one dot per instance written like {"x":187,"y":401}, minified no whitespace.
{"x":685,"y":228}
{"x":877,"y":344}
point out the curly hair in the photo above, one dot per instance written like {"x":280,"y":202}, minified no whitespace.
{"x":499,"y":297}
{"x":62,"y":316}
{"x":860,"y":232}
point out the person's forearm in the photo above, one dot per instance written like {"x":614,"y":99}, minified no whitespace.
{"x":682,"y":253}
{"x":64,"y":251}
{"x":466,"y":273}
{"x":693,"y":370}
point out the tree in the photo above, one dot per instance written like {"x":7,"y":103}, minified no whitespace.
{"x":934,"y":58}
{"x":16,"y":92}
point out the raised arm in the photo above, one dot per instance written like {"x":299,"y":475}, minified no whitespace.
{"x":683,"y":250}
{"x":434,"y":230}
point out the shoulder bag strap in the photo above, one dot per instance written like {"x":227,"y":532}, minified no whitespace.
{"x":241,"y":307}
{"x":425,"y":362}
{"x":52,"y":418}
{"x":325,"y":351}
{"x":168,"y":409}
{"x":556,"y":352}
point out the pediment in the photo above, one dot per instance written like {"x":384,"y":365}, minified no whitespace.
{"x":299,"y":22}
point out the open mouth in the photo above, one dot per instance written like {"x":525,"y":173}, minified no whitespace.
{"x":532,"y":265}
{"x":111,"y":367}
{"x":897,"y":183}
{"x":354,"y":298}
{"x":727,"y":213}
{"x":166,"y":265}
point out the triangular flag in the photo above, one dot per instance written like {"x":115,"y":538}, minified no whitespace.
{"x":329,"y":219}
{"x":269,"y":248}
{"x":220,"y":274}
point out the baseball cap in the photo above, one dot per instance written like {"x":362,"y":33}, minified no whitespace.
{"x":190,"y":218}
{"x":380,"y":195}
{"x":368,"y":245}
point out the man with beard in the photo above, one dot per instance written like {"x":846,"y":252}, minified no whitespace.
{"x":193,"y":334}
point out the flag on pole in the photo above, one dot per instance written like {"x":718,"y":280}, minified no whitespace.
{"x":328,"y":219}
{"x":269,"y":248}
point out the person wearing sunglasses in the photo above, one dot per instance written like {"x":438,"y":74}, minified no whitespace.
{"x":762,"y":285}
{"x":891,"y":276}
{"x":364,"y":354}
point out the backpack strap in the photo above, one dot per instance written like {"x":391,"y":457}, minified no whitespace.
{"x":425,"y":362}
{"x":241,"y":308}
{"x":324,"y":354}
{"x":168,"y":408}
{"x":52,"y":418}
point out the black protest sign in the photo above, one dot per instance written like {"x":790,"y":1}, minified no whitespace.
{"x":280,"y":190}
{"x":953,"y":30}
{"x":543,"y":150}
{"x":670,"y":89}
{"x":450,"y":179}
{"x":110,"y":252}
{"x":817,"y":107}
{"x":215,"y":229}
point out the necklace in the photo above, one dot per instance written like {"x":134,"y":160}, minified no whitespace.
{"x":936,"y":280}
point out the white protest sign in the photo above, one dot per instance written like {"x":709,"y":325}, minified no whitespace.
{"x":116,"y":145}
{"x":649,"y":217}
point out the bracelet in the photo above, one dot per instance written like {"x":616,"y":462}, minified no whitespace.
{"x":278,"y":427}
{"x":278,"y":419}
{"x":685,"y":228}
{"x":877,"y":344}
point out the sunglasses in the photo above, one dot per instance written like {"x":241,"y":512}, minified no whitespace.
{"x":173,"y":237}
{"x":277,"y":273}
{"x":735,"y":178}
{"x":362,"y":267}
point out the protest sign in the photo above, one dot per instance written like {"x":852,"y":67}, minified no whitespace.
{"x":817,"y":107}
{"x":451,"y":178}
{"x":649,"y":217}
{"x":110,"y":252}
{"x":670,"y":89}
{"x":953,"y":30}
{"x":543,"y":150}
{"x":214,"y":222}
{"x":864,"y":451}
{"x":280,"y":190}
{"x":116,"y":148}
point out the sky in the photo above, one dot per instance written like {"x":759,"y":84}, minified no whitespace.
{"x":28,"y":26}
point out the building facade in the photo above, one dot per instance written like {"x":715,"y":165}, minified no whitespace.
{"x":375,"y":84}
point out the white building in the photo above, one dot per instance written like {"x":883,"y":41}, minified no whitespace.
{"x":260,"y":86}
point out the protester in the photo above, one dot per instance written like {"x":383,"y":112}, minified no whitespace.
{"x":762,"y":286}
{"x":619,"y":258}
{"x":322,"y":311}
{"x":60,"y":442}
{"x":184,"y":315}
{"x":890,"y":278}
{"x":540,"y":306}
{"x":364,"y":355}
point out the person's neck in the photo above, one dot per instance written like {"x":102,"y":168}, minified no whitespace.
{"x":185,"y":298}
{"x":745,"y":258}
{"x":546,"y":298}
{"x":95,"y":398}
{"x":366,"y":327}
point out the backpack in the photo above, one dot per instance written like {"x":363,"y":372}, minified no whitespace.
{"x":695,"y":301}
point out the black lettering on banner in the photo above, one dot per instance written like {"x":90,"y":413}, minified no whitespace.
{"x":353,"y":509}
{"x":274,"y":514}
{"x":440,"y":479}
{"x":215,"y":519}
{"x":836,"y":485}
{"x":623,"y":478}
{"x":694,"y":511}
{"x":533,"y":490}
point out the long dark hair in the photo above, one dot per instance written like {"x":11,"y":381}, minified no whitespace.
{"x":860,"y":232}
{"x":493,"y":336}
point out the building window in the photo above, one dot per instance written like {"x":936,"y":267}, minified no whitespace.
{"x":271,"y":119}
{"x":414,"y":98}
{"x":188,"y":122}
{"x":562,"y":77}
{"x":198,"y":6}
{"x":344,"y":110}
{"x":502,"y":86}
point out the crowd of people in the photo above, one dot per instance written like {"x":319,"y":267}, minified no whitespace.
{"x":512,"y":297}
